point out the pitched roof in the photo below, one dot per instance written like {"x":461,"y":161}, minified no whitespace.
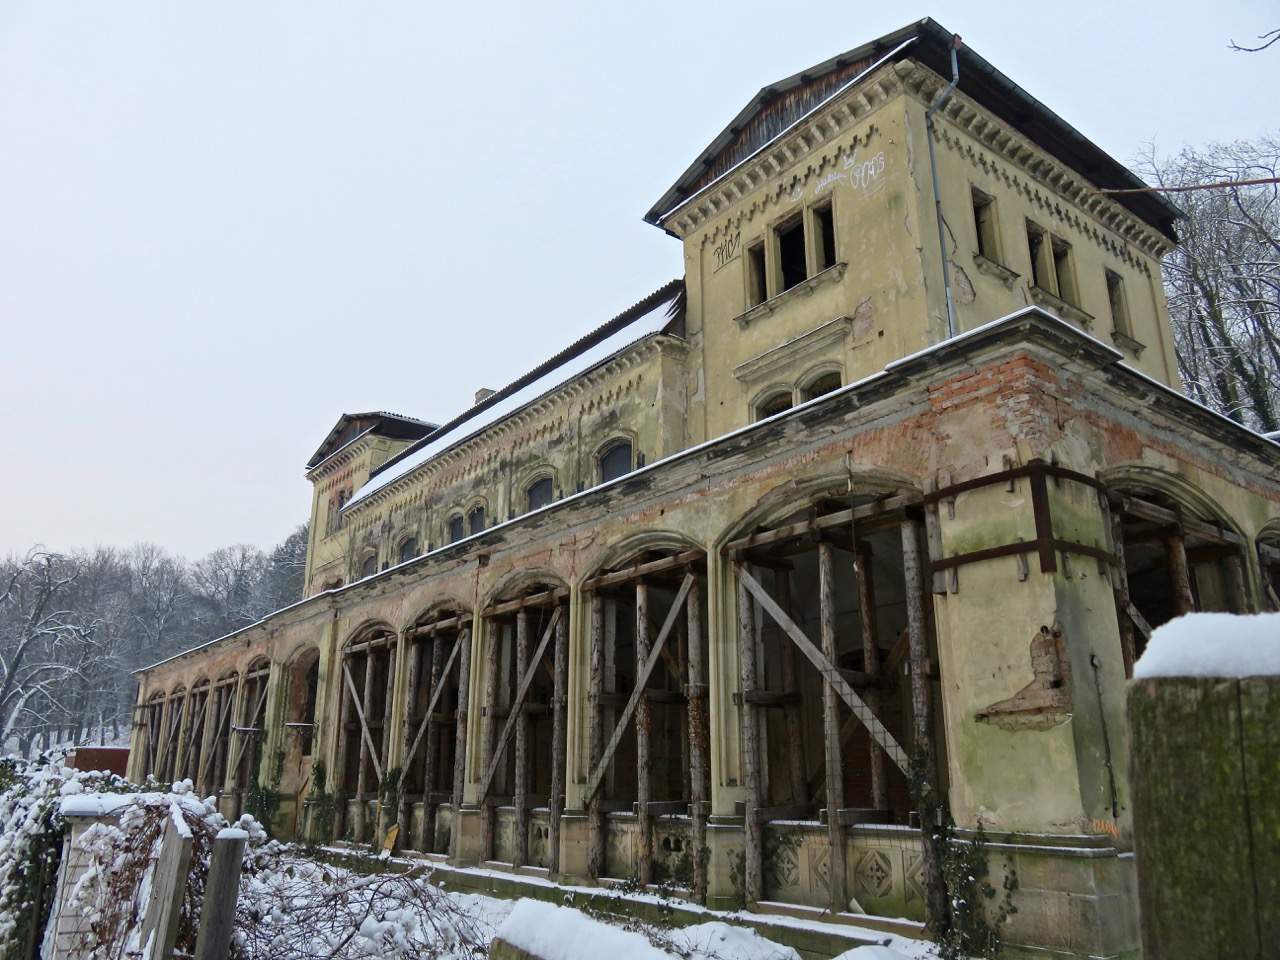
{"x":778,"y":105}
{"x":660,"y":312}
{"x":353,"y":425}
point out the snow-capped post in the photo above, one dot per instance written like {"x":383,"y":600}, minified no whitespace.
{"x":1204,"y":719}
{"x":221,"y":891}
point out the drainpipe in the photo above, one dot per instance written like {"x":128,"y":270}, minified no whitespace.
{"x":943,"y":96}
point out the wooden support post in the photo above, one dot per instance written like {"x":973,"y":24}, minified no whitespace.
{"x":559,"y":732}
{"x":404,"y":818}
{"x":432,"y":750}
{"x":644,"y":723}
{"x":871,"y":666}
{"x":1179,"y":574}
{"x":796,"y":759}
{"x":681,"y":717}
{"x":366,"y":744}
{"x":836,"y":873}
{"x":1237,"y":588}
{"x":168,"y":889}
{"x":922,"y":730}
{"x":340,"y":763}
{"x":221,"y":892}
{"x":460,"y":725}
{"x":753,"y":879}
{"x":520,"y":841}
{"x":1120,"y":588}
{"x":595,"y":738}
{"x":698,"y":740}
{"x":489,"y":733}
{"x":384,"y":823}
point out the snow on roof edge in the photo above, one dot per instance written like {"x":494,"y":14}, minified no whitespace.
{"x":1216,"y":645}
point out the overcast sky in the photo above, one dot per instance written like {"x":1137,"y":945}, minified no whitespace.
{"x":224,"y":224}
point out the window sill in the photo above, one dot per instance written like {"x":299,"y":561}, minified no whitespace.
{"x":1126,"y":342}
{"x":993,"y":268}
{"x":1066,"y":310}
{"x":762,"y":310}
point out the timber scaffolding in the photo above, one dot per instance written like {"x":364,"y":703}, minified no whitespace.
{"x":651,"y":667}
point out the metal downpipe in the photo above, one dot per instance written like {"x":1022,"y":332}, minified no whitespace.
{"x":943,"y":96}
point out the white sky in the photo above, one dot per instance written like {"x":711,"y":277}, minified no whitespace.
{"x":222,"y":225}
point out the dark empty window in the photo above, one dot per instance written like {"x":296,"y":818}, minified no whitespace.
{"x":774,"y":403}
{"x":539,"y":493}
{"x":756,"y":286}
{"x":457,"y":528}
{"x":615,"y":461}
{"x":823,"y":384}
{"x":408,"y":549}
{"x":824,"y":245}
{"x":1119,"y":305}
{"x":1041,"y":263}
{"x":369,"y":567}
{"x":1064,"y":271}
{"x":475,"y":520}
{"x":791,"y":258}
{"x":984,"y":220}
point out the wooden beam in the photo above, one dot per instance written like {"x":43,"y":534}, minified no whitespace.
{"x":697,"y":738}
{"x":833,"y":755}
{"x":1179,"y":574}
{"x":489,"y":732}
{"x":460,"y":730}
{"x":864,"y":569}
{"x":645,"y":671}
{"x":520,"y":838}
{"x":644,"y":720}
{"x":545,"y":599}
{"x":595,"y":738}
{"x":752,"y":866}
{"x":792,"y":718}
{"x":559,"y":736}
{"x":526,"y":681}
{"x":1137,"y":507}
{"x":638,"y":570}
{"x":874,"y":514}
{"x":829,"y":672}
{"x":439,"y":681}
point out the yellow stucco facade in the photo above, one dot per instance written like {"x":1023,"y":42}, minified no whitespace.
{"x":960,"y":524}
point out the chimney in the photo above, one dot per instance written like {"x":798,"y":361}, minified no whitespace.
{"x":483,"y":394}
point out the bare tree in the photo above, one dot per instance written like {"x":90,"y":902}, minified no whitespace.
{"x":1223,"y":280}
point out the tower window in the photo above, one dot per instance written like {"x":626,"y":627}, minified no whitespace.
{"x":791,"y":256}
{"x":1041,"y":261}
{"x":408,"y":549}
{"x":984,"y":220}
{"x":1119,"y":304}
{"x":475,"y":520}
{"x":369,"y":566}
{"x":824,"y":241}
{"x":756,"y":286}
{"x":773,"y":403}
{"x":1064,"y":271}
{"x":823,"y":384}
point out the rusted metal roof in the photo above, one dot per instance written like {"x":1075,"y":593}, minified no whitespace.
{"x":353,"y":425}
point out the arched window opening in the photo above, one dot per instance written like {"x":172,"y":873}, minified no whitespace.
{"x":211,"y":778}
{"x":153,"y":722}
{"x":616,"y":461}
{"x":368,"y":566}
{"x":367,"y":678}
{"x":304,"y":686}
{"x":539,"y":493}
{"x":1269,"y":561}
{"x":250,"y":731}
{"x":408,"y":549}
{"x":175,"y":714}
{"x":860,"y":600}
{"x":823,"y":384}
{"x":656,"y":601}
{"x":525,"y":648}
{"x":457,"y":528}
{"x":187,"y":760}
{"x":475,"y":520}
{"x":431,"y":792}
{"x":773,"y":403}
{"x":1175,"y":562}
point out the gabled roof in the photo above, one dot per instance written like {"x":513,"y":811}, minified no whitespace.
{"x":353,"y":425}
{"x":777,"y":106}
{"x":660,"y":312}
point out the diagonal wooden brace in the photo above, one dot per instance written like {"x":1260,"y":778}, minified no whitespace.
{"x":597,"y":775}
{"x":431,"y":705}
{"x":242,"y":741}
{"x":364,"y":724}
{"x":830,"y":674}
{"x":517,"y":704}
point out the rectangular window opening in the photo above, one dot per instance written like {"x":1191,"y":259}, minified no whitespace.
{"x":1064,"y":271}
{"x":756,"y":288}
{"x":984,"y":219}
{"x":791,"y":258}
{"x":825,"y":242}
{"x":1119,"y":305}
{"x":1041,"y":263}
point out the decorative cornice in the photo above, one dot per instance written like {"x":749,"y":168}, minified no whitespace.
{"x":1062,"y":308}
{"x":780,"y":301}
{"x":1049,"y":174}
{"x":798,"y":348}
{"x":342,"y":457}
{"x":469,"y":456}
